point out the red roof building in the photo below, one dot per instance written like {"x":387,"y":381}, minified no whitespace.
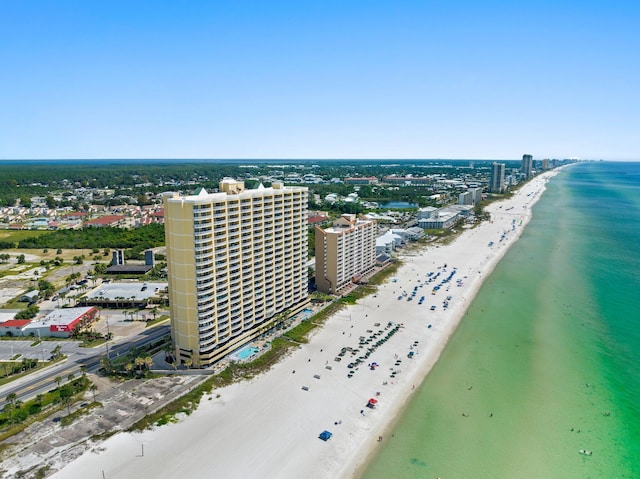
{"x":317,"y":219}
{"x":61,"y":322}
{"x":106,"y":220}
{"x":13,"y":327}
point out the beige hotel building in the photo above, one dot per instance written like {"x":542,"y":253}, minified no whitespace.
{"x":344,"y":252}
{"x":236,"y":260}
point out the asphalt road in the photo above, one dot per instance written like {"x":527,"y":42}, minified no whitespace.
{"x":41,"y":381}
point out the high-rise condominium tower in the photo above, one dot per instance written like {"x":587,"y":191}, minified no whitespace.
{"x":344,"y":252}
{"x":237,"y":265}
{"x":526,"y":166}
{"x":497,"y":178}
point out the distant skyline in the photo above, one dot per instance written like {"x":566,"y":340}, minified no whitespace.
{"x":313,"y":80}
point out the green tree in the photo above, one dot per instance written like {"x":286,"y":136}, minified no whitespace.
{"x":105,"y":363}
{"x":93,"y":388}
{"x":66,"y":395}
{"x":29,"y":312}
{"x":148,"y":362}
{"x":10,"y":407}
{"x":139,"y":363}
{"x":56,"y":353}
{"x":25,"y":201}
{"x":46,"y":288}
{"x":12,"y":398}
{"x":143,"y":200}
{"x":100,"y":268}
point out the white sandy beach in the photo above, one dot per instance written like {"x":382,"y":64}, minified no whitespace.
{"x":269,"y":427}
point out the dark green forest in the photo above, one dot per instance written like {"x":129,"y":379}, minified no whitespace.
{"x":22,"y":180}
{"x":138,"y":239}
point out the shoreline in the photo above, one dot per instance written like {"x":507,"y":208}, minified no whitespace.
{"x":271,"y":423}
{"x":363,"y":458}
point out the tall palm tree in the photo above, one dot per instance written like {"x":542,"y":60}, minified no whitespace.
{"x":139,"y":362}
{"x":11,"y":398}
{"x":148,"y":362}
{"x":66,"y":394}
{"x":93,"y":388}
{"x":106,"y":364}
{"x":9,"y":408}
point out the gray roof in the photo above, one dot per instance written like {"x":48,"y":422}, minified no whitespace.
{"x":126,"y":290}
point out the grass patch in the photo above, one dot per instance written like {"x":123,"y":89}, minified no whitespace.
{"x":35,"y":472}
{"x":382,"y":276}
{"x":357,"y":294}
{"x":103,"y":436}
{"x":7,"y":375}
{"x":4,"y":379}
{"x":15,"y":304}
{"x":15,"y":236}
{"x":4,"y":447}
{"x":16,"y":417}
{"x":42,"y":472}
{"x":185,"y":404}
{"x":92,"y":343}
{"x":70,"y":418}
{"x":158,"y":320}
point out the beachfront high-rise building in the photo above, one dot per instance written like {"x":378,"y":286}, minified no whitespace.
{"x":465,"y":198}
{"x":526,"y":166}
{"x":237,"y":263}
{"x":344,"y":252}
{"x":472,"y":196}
{"x":496,"y":184}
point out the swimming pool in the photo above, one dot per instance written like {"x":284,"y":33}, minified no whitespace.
{"x":246,"y":352}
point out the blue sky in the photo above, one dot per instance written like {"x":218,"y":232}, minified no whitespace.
{"x":319,"y":79}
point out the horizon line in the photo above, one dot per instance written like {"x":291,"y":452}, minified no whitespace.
{"x":298,"y":159}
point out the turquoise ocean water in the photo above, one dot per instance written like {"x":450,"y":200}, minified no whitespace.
{"x":546,"y":362}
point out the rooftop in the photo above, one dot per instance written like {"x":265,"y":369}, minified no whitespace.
{"x":15,"y":323}
{"x":61,"y":316}
{"x":126,"y":290}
